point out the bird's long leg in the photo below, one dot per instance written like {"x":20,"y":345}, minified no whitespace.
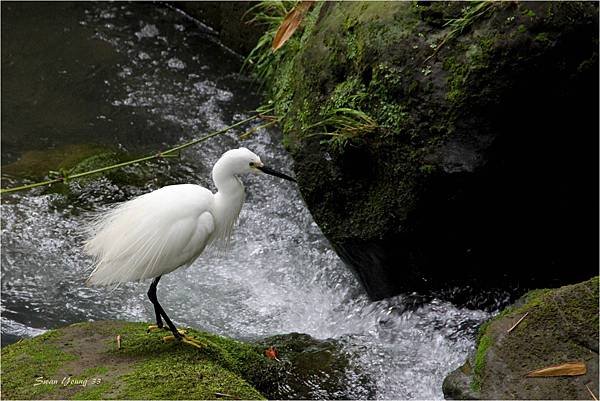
{"x":177,"y":334}
{"x":158,"y":309}
{"x":154,"y":300}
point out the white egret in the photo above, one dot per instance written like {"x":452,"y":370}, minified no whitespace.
{"x":160,"y":231}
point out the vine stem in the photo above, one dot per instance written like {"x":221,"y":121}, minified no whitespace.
{"x":130,"y":162}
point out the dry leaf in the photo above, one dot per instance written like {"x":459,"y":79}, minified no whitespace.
{"x":118,"y":341}
{"x":564,"y":369}
{"x":290,"y":23}
{"x":271,"y":353}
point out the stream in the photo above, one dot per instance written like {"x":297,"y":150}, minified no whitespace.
{"x":144,"y":77}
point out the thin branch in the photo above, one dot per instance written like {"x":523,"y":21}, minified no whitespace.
{"x":518,"y":321}
{"x":591,"y":393}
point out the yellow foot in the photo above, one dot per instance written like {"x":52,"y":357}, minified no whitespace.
{"x":185,"y":339}
{"x":154,"y":327}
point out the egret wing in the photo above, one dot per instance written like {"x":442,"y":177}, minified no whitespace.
{"x":151,"y":235}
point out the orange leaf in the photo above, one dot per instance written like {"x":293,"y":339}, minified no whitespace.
{"x":290,"y":23}
{"x":271,"y":353}
{"x":565,"y":369}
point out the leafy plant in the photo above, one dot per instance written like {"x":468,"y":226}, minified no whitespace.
{"x":262,"y":60}
{"x":471,"y":13}
{"x":344,"y":126}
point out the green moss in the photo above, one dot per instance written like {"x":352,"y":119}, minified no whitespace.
{"x":484,"y":344}
{"x":540,"y":334}
{"x":467,"y":63}
{"x":427,"y":168}
{"x":173,"y":371}
{"x":223,"y":360}
{"x":93,"y":392}
{"x":36,"y":164}
{"x":528,"y":13}
{"x":530,"y":300}
{"x":184,"y":372}
{"x":74,"y":159}
{"x":364,"y":28}
{"x":96,"y":370}
{"x":349,"y":93}
{"x":542,"y":37}
{"x":26,"y":363}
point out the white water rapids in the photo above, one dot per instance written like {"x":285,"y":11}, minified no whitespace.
{"x":280,"y":274}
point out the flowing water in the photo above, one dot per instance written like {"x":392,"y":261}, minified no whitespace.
{"x":145,"y":77}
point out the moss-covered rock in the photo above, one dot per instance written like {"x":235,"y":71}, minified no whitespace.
{"x":485,"y":145}
{"x":561,"y":326}
{"x":69,"y":160}
{"x":83,"y":361}
{"x":35,"y":164}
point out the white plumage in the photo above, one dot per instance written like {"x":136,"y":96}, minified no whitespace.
{"x":160,"y":231}
{"x":152,"y":234}
{"x":163,"y":230}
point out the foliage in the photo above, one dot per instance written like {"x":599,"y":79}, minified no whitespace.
{"x":344,"y":126}
{"x":262,"y":60}
{"x":471,"y":13}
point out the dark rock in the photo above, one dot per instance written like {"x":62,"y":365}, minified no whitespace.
{"x":483,"y":171}
{"x":561,"y":326}
{"x":313,"y":369}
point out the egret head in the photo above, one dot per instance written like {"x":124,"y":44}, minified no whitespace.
{"x":241,"y":161}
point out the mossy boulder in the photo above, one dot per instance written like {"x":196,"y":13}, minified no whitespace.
{"x":83,"y":361}
{"x":482,"y":167}
{"x":69,"y":160}
{"x":561,"y":326}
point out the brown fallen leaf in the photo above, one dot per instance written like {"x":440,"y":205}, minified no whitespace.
{"x":290,"y":23}
{"x":271,"y":353}
{"x":564,"y":369}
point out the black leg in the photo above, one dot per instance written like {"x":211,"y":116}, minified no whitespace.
{"x":159,"y":310}
{"x":154,"y":300}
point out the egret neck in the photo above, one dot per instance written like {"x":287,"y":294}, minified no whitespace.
{"x":228,"y":200}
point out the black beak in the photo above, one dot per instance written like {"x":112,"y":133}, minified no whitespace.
{"x":269,"y":171}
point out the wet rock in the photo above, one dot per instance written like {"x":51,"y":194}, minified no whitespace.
{"x":561,"y":326}
{"x":139,"y":365}
{"x":482,"y":170}
{"x":314,"y":369}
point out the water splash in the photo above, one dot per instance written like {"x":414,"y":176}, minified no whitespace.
{"x":280,"y":274}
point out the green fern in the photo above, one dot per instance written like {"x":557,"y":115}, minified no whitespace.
{"x":344,"y":126}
